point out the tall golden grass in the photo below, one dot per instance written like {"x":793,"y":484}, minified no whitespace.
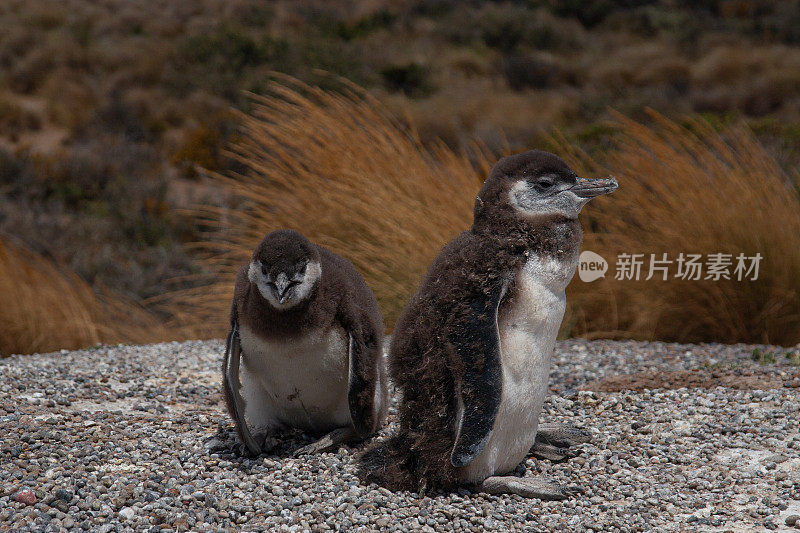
{"x":337,"y":167}
{"x":46,"y":308}
{"x":693,"y":190}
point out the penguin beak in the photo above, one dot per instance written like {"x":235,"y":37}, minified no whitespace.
{"x":282,"y":284}
{"x":592,"y":187}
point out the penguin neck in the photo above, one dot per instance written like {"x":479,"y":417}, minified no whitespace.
{"x":269,"y":322}
{"x":547,"y":235}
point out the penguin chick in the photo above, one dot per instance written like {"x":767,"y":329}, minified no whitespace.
{"x":308,"y":334}
{"x":471,"y":351}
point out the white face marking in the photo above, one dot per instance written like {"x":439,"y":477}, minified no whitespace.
{"x":299,"y":292}
{"x":564,"y":202}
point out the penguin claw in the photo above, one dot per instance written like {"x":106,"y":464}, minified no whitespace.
{"x":574,"y":490}
{"x":554,"y":442}
{"x":311,"y":449}
{"x":527,"y":487}
{"x":561,"y":435}
{"x":552,"y":453}
{"x":327,"y":443}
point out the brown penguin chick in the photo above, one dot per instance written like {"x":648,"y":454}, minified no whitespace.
{"x":470,"y":354}
{"x":308,"y":334}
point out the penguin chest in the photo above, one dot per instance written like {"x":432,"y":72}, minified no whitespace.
{"x":302,"y":382}
{"x":528,"y":324}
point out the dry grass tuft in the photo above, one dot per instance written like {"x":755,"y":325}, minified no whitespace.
{"x":45,"y":309}
{"x":338,"y":168}
{"x":691,"y":190}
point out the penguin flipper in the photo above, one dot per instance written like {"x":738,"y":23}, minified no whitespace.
{"x":232,"y":384}
{"x":363,"y":376}
{"x":476,"y":343}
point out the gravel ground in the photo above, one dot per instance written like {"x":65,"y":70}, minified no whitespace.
{"x":135,"y":437}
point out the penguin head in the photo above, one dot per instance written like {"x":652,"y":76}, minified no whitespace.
{"x":536,"y":184}
{"x":285,"y":268}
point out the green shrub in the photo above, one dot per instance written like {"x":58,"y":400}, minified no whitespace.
{"x":763,"y":357}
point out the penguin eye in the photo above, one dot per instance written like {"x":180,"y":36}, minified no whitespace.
{"x":545,"y":182}
{"x":263,"y":269}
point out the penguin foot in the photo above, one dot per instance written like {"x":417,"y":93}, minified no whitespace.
{"x":331,"y":441}
{"x":554,"y":442}
{"x":527,"y":487}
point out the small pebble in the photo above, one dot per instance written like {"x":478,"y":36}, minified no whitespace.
{"x":25,"y":496}
{"x":64,"y":495}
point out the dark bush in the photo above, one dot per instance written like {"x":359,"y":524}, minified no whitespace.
{"x":523,"y":72}
{"x":589,"y":13}
{"x":682,"y":26}
{"x":15,"y":119}
{"x":223,"y":60}
{"x":510,"y":27}
{"x":119,"y":116}
{"x":226,"y":46}
{"x":505,"y":27}
{"x":255,"y":14}
{"x":30,"y":72}
{"x":436,"y":8}
{"x":784,"y":24}
{"x":412,"y":79}
{"x":15,"y":172}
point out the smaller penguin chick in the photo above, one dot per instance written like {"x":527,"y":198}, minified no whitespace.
{"x":307,"y":333}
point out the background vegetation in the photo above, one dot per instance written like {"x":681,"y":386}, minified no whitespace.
{"x":108,"y":109}
{"x":337,"y":166}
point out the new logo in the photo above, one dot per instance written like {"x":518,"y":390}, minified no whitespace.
{"x":591,"y":266}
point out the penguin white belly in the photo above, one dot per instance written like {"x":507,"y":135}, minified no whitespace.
{"x":528,"y":327}
{"x":301,"y":383}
